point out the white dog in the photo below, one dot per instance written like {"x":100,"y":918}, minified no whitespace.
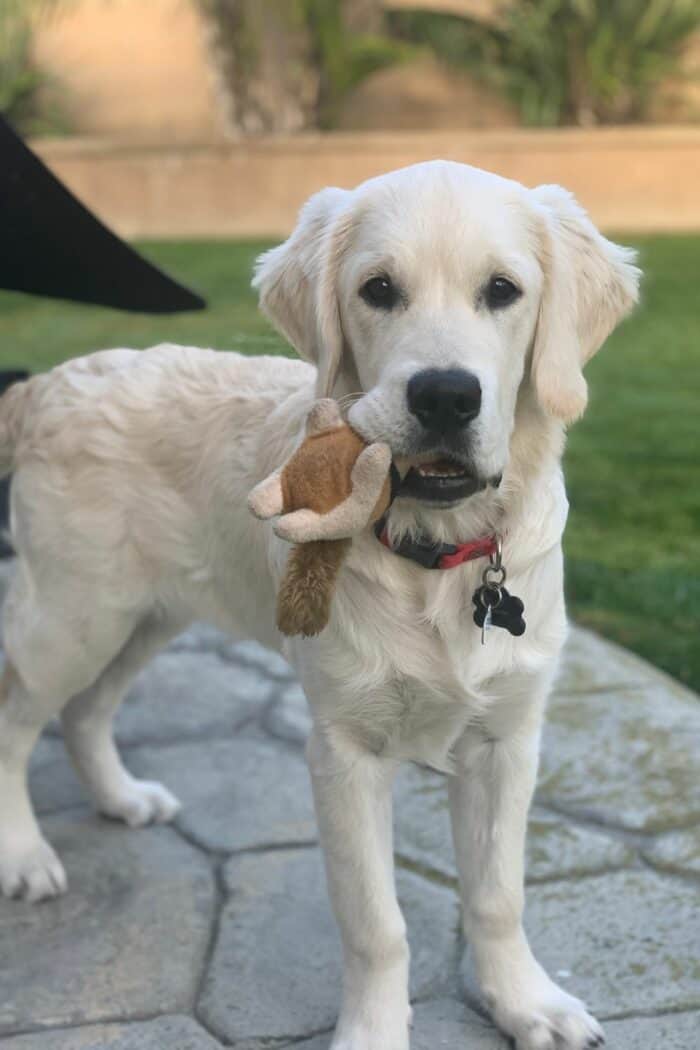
{"x":454,"y":311}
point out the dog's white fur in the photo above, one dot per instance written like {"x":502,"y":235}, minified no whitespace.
{"x":129,"y":519}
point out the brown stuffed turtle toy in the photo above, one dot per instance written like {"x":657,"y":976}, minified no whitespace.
{"x":333,"y":487}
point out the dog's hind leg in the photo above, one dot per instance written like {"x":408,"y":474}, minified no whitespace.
{"x":29,"y":867}
{"x":54,"y":650}
{"x":87,"y":728}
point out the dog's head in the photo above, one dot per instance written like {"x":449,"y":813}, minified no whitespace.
{"x":434,"y":293}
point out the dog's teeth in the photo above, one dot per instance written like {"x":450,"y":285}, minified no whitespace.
{"x":430,"y":471}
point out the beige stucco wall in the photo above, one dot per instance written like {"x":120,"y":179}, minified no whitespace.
{"x":138,"y":69}
{"x":423,"y":94}
{"x":632,"y":179}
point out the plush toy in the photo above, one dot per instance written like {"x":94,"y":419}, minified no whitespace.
{"x":332,"y":488}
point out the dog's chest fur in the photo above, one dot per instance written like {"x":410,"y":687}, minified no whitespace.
{"x":404,"y":666}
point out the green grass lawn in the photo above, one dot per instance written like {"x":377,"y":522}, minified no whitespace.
{"x":633,"y":539}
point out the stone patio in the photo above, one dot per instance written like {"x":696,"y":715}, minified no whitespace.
{"x":216,"y":931}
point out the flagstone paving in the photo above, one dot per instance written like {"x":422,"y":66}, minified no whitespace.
{"x":216,"y":931}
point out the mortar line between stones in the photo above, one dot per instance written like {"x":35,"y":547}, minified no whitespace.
{"x":212,"y":855}
{"x":612,"y":830}
{"x":277,"y":1042}
{"x":688,"y":825}
{"x":641,"y":1015}
{"x":69,"y":1026}
{"x":576,"y":876}
{"x":214,"y":932}
{"x":631,"y":836}
{"x":476,"y":1006}
{"x":229,"y":854}
{"x":274,"y":847}
{"x":601,"y":690}
{"x":473,"y":1003}
{"x":296,"y":1040}
{"x":442,"y":879}
{"x":689,"y":878}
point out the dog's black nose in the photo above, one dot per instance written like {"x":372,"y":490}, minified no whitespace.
{"x":444,"y":400}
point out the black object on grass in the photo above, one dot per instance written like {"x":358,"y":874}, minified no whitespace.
{"x":52,"y":245}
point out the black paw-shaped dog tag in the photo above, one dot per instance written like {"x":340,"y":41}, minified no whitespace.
{"x":495,"y":607}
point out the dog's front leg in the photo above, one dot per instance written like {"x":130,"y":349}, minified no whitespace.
{"x":489,"y":802}
{"x":352,"y":793}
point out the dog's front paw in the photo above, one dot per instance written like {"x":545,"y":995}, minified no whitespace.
{"x":141,"y":802}
{"x":31,"y":871}
{"x":374,"y":1025}
{"x":361,"y":1037}
{"x":546,"y":1018}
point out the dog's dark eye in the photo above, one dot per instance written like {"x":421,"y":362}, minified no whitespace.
{"x":501,"y":292}
{"x":379,"y":292}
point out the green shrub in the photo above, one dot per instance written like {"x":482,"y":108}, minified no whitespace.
{"x":329,"y":53}
{"x":345,"y":58}
{"x":24,"y":98}
{"x":566,"y":61}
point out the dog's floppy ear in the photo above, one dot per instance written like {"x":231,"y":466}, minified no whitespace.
{"x":297,"y":284}
{"x":590,"y":284}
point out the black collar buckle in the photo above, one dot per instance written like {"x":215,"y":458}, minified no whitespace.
{"x":425,"y":552}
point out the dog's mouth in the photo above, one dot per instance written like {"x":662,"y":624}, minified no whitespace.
{"x":439,"y":480}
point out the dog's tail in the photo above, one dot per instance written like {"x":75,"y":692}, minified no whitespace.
{"x":13,"y":391}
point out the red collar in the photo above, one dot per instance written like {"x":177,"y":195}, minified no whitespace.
{"x":433,"y":555}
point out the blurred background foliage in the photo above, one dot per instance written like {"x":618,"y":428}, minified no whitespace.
{"x":29,"y":98}
{"x":580,"y":62}
{"x":288,"y":65}
{"x":347,"y":52}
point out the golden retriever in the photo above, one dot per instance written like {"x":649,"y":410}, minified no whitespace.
{"x":451,"y":312}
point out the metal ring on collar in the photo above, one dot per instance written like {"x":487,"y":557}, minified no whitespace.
{"x":490,"y":580}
